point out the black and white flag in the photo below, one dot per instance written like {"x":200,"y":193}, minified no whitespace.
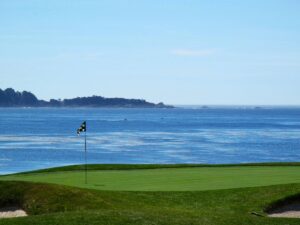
{"x":82,"y":128}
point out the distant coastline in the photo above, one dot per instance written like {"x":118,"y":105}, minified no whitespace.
{"x":11,"y":98}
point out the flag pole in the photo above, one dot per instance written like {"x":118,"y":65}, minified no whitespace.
{"x":85,"y":167}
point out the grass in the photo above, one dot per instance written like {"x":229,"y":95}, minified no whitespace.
{"x":169,"y":179}
{"x":180,"y":196}
{"x":153,"y":166}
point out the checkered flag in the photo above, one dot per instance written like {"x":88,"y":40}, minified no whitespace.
{"x":82,"y":128}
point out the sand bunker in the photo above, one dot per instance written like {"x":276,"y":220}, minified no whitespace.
{"x":288,"y":211}
{"x":10,"y":212}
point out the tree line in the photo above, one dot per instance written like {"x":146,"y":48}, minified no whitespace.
{"x":11,"y":98}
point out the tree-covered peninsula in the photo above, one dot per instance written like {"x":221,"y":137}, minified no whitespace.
{"x":11,"y":98}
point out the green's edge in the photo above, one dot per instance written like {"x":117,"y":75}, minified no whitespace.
{"x":150,"y":166}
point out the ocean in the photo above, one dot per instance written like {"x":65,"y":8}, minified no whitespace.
{"x":35,"y":138}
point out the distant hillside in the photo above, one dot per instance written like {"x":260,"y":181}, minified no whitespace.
{"x":11,"y":98}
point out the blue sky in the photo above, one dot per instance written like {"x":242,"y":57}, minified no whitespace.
{"x":178,"y":52}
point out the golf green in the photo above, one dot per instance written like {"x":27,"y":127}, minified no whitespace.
{"x":169,"y":179}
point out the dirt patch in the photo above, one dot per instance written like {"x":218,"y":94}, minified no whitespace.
{"x":291,"y":210}
{"x":9,"y":212}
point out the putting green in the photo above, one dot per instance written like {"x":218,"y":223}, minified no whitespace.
{"x":173,"y":179}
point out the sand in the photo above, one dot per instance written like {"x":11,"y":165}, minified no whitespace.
{"x":287,"y":211}
{"x":10,"y":212}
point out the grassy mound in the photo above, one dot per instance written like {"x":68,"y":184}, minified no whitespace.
{"x":38,"y":199}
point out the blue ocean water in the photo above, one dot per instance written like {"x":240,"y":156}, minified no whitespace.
{"x":33,"y":138}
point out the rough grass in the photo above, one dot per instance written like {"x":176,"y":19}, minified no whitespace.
{"x":65,"y":205}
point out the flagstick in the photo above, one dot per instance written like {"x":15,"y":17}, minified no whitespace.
{"x":85,"y":157}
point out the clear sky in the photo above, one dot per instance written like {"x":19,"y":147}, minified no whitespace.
{"x":176,"y":51}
